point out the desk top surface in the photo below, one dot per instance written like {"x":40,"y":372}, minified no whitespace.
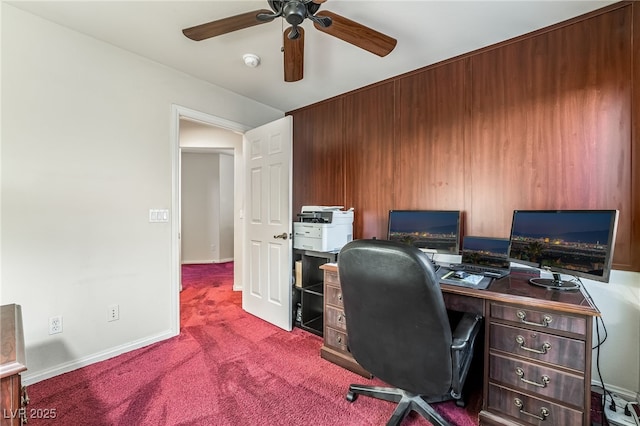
{"x":515,"y":288}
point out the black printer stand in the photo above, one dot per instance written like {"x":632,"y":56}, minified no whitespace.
{"x":309,"y":292}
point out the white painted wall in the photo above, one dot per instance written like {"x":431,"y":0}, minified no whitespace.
{"x":619,"y":303}
{"x":86,"y":131}
{"x":226,"y":244}
{"x":200,"y":207}
{"x":207,"y":207}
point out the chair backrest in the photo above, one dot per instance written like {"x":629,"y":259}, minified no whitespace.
{"x":396,"y":318}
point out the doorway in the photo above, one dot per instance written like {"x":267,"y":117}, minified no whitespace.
{"x":206,"y":193}
{"x":229,"y":142}
{"x":269,"y":212}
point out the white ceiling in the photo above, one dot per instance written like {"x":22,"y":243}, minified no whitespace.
{"x":427,"y":32}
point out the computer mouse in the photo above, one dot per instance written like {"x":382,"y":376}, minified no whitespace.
{"x":460,"y":274}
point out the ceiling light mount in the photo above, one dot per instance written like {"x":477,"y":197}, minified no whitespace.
{"x":251,"y":60}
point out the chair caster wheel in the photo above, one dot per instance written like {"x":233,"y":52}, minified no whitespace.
{"x":461,"y":403}
{"x":351,"y":396}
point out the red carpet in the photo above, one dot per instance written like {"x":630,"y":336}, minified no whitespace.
{"x":225,"y":368}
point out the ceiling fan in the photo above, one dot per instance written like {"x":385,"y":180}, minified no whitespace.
{"x":295,"y":12}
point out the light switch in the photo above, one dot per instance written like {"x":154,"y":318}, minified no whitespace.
{"x":158,"y":215}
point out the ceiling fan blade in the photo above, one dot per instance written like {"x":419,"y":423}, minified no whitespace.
{"x":225,"y":25}
{"x":293,"y":55}
{"x":357,"y":34}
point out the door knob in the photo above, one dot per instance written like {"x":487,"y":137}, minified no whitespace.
{"x":283,"y":236}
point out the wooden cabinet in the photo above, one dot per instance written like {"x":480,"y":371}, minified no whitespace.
{"x":538,"y":365}
{"x":12,"y":363}
{"x":335,"y":347}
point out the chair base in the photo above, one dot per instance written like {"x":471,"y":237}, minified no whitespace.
{"x":407,"y":402}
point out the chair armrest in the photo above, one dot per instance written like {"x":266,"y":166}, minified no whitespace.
{"x":466,"y":330}
{"x":462,"y":350}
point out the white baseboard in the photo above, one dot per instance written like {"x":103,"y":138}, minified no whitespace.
{"x":29,"y":379}
{"x":626,"y":394}
{"x":200,"y":262}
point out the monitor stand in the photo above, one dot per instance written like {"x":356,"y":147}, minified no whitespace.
{"x":554,"y":283}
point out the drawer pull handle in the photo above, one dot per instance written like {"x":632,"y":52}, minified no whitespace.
{"x":545,"y":379}
{"x":340,"y":318}
{"x":544,"y":412}
{"x":546,"y":320}
{"x":340,"y":297}
{"x":546,"y":346}
{"x":340,"y":339}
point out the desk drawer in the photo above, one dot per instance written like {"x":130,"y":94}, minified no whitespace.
{"x":531,"y":410}
{"x":547,"y":382}
{"x":332,"y":278}
{"x":335,"y":338}
{"x":461,"y":303}
{"x":333,"y":296}
{"x":335,"y":318}
{"x":540,"y":319}
{"x":558,"y":350}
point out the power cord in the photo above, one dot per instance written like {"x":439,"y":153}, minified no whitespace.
{"x":599,"y":320}
{"x":635,"y":412}
{"x":432,"y":258}
{"x":629,"y":410}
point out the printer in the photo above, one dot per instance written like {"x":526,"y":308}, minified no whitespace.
{"x":323,"y":228}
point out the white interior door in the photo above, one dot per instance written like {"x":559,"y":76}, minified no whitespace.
{"x":268,"y":268}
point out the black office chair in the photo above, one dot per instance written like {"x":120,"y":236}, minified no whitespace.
{"x":399,"y":330}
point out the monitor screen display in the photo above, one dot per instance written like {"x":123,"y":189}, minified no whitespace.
{"x":437,"y":230}
{"x":485,"y":251}
{"x":574,"y":242}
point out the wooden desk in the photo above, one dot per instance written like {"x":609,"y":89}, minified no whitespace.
{"x":12,"y":363}
{"x":537,"y":348}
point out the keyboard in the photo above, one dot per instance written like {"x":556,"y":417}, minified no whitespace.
{"x":479,"y":270}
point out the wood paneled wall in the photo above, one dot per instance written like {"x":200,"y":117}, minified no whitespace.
{"x":550,"y":120}
{"x":318,"y":159}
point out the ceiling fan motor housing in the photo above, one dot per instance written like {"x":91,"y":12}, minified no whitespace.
{"x":294,"y":12}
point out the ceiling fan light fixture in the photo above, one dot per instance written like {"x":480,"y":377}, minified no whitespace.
{"x":251,"y":60}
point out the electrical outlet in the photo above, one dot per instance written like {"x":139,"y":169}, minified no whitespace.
{"x":55,"y":324}
{"x":113,"y":313}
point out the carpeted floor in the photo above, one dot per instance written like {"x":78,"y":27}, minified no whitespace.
{"x":225,"y":368}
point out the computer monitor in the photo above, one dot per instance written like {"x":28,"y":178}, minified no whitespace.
{"x":485,"y":251}
{"x":573,"y":242}
{"x":437,"y":230}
